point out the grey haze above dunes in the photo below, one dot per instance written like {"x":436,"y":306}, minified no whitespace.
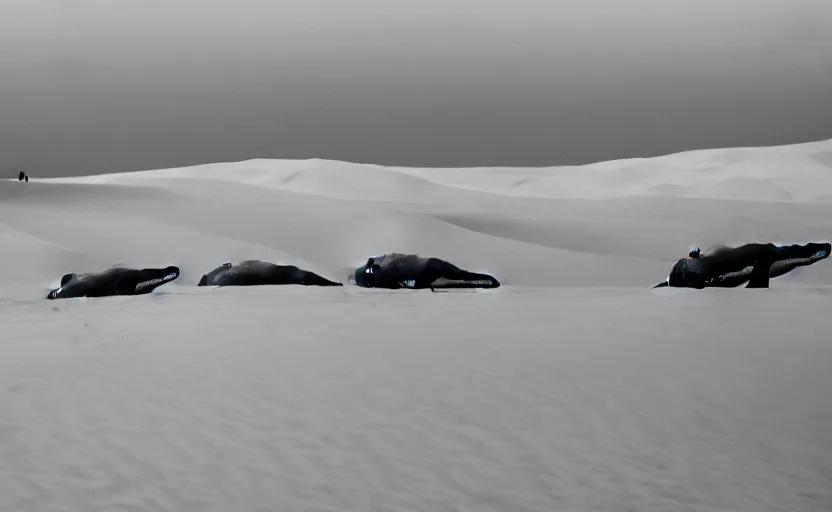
{"x":93,"y":86}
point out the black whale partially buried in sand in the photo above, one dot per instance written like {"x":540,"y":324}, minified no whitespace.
{"x":114,"y":281}
{"x":260,"y":273}
{"x":411,"y":271}
{"x":751,"y":264}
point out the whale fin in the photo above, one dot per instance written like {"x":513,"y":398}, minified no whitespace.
{"x":476,"y":281}
{"x":151,"y":278}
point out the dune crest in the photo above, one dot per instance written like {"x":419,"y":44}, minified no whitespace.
{"x":573,"y":386}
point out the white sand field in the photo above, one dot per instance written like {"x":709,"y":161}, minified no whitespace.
{"x":573,"y":387}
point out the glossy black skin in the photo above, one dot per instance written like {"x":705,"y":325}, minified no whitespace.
{"x":753,"y":265}
{"x":114,"y":281}
{"x":260,"y":273}
{"x":396,"y":271}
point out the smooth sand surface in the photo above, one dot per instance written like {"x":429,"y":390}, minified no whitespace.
{"x":573,"y":387}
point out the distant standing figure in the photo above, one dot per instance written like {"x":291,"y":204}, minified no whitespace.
{"x":22,"y":176}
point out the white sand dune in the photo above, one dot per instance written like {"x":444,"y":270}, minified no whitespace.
{"x":572,"y":387}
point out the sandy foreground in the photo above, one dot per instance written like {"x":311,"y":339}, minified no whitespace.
{"x":573,"y":387}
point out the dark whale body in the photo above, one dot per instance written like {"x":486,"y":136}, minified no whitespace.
{"x":397,"y":271}
{"x":753,"y":265}
{"x":259,"y":273}
{"x":114,"y":281}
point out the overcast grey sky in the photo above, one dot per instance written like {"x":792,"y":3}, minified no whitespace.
{"x":90,"y":86}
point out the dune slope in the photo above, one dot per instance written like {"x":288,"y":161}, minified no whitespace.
{"x":573,"y":387}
